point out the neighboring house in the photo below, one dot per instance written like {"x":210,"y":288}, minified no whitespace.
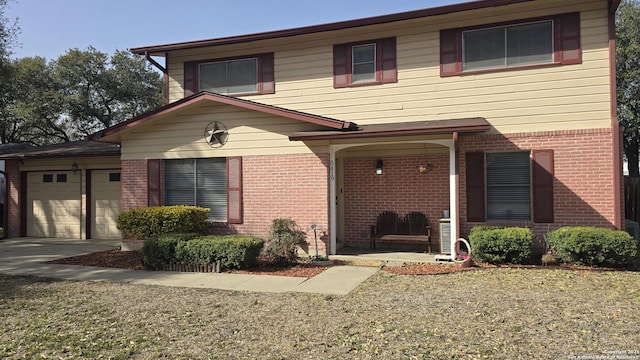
{"x":508,"y":104}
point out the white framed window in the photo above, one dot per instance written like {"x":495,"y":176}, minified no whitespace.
{"x":508,"y":46}
{"x":363,"y":62}
{"x":229,"y":76}
{"x":508,"y":185}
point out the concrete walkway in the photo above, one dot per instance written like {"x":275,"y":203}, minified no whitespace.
{"x":27,"y":256}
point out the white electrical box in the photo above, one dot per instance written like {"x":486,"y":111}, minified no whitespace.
{"x":445,"y":236}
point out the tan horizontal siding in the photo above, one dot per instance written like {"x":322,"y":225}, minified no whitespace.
{"x":551,"y":98}
{"x":183,"y":134}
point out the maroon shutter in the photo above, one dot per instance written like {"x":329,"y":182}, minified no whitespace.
{"x":234,"y":190}
{"x":153,"y":181}
{"x":267,"y":81}
{"x":341,"y":66}
{"x":542,"y":178}
{"x":450,"y":59}
{"x":568,"y":38}
{"x":387,"y":56}
{"x":190,"y":78}
{"x":475,"y":187}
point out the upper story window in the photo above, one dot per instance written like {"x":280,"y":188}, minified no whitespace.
{"x":231,"y":76}
{"x":507,"y":46}
{"x":364,"y":63}
{"x":553,"y":40}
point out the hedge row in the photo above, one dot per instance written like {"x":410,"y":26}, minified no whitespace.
{"x":581,"y":245}
{"x":232,"y":251}
{"x":145,"y":223}
{"x":593,"y":246}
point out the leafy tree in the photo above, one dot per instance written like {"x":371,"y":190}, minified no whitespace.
{"x":628,"y":79}
{"x":100,"y":91}
{"x":8,"y":37}
{"x":37,"y":112}
{"x":76,"y":95}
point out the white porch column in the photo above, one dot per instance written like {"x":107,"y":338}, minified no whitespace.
{"x":333,"y":216}
{"x":453,"y":198}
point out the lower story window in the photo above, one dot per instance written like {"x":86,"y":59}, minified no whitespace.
{"x":508,"y":184}
{"x":198,"y":182}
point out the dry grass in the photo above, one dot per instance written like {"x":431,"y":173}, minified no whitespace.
{"x":492,"y":313}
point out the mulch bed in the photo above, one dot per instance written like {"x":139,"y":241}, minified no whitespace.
{"x":304,"y":268}
{"x":133,"y":260}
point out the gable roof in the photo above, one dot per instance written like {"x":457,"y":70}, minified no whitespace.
{"x":78,"y":148}
{"x":160,"y":50}
{"x":229,"y":100}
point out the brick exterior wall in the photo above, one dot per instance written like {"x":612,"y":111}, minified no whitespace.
{"x":12,"y":198}
{"x":134,"y":184}
{"x":290,"y":186}
{"x":400,"y":188}
{"x":297,"y":186}
{"x":287,"y":186}
{"x":583,"y":182}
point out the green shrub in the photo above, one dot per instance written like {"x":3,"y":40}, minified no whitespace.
{"x":501,"y":245}
{"x":145,"y":223}
{"x":592,"y":246}
{"x":161,"y":249}
{"x":284,"y":236}
{"x":233,"y":251}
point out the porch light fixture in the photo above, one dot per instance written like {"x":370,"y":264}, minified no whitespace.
{"x":379,"y":167}
{"x":425,"y":168}
{"x":74,"y":167}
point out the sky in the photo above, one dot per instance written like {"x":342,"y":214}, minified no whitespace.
{"x":51,"y":27}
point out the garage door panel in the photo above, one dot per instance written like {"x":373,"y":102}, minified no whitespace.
{"x":106,"y":204}
{"x":53,"y":204}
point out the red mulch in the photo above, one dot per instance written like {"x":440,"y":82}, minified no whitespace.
{"x":307,"y":269}
{"x":133,"y":260}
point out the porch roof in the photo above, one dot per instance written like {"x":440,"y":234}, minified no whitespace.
{"x":449,"y":126}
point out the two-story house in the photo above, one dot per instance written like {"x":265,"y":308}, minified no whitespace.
{"x":500,"y":112}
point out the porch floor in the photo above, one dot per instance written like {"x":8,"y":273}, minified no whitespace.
{"x":378,"y":257}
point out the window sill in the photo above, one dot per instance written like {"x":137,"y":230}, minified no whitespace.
{"x":504,"y":69}
{"x":360,"y":84}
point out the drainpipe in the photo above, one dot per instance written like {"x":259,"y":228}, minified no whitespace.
{"x":616,"y":129}
{"x":155,"y":63}
{"x":165,"y":74}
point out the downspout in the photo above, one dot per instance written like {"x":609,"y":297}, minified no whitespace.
{"x":616,"y":130}
{"x":165,"y":74}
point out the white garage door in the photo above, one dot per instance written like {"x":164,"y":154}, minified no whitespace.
{"x":106,"y":190}
{"x":53,"y":204}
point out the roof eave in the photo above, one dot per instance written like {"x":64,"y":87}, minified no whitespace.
{"x":160,"y":50}
{"x":228,"y":100}
{"x":333,"y":135}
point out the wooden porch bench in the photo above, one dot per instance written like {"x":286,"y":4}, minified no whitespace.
{"x":413,"y":227}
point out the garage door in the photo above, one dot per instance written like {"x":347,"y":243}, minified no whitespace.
{"x":106,"y":203}
{"x":53,"y":204}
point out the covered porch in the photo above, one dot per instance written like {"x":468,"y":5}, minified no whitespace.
{"x":403,"y":168}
